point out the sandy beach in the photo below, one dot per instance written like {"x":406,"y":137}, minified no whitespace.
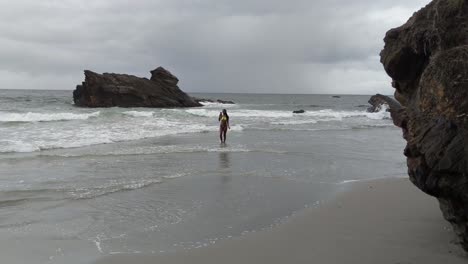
{"x":378,"y":221}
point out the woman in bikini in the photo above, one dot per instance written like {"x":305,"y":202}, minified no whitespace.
{"x":223,"y":125}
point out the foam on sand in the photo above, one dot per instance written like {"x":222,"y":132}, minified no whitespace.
{"x":112,"y":186}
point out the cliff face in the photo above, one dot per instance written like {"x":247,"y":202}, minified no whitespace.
{"x":110,"y":89}
{"x":427,"y":58}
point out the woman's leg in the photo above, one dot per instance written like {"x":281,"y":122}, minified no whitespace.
{"x":225,"y":132}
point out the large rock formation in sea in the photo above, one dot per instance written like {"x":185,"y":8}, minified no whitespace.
{"x":110,"y":89}
{"x":427,"y":59}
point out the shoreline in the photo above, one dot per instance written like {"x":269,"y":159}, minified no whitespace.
{"x":377,"y":221}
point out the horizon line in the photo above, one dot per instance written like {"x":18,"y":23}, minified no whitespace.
{"x":20,"y":89}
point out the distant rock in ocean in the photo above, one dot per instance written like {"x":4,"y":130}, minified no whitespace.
{"x":299,"y":111}
{"x":427,"y":59}
{"x":336,"y":96}
{"x":110,"y":89}
{"x":378,"y":101}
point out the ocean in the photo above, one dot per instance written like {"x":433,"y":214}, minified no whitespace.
{"x":77,"y":184}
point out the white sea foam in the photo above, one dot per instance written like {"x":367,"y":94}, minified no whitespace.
{"x":109,"y":125}
{"x":381,"y":114}
{"x":139,"y":113}
{"x":90,"y":134}
{"x":171,"y":149}
{"x":339,"y":115}
{"x":295,"y":122}
{"x":17,"y":146}
{"x":372,"y":179}
{"x":326,"y":114}
{"x":241,"y":113}
{"x":217,"y":105}
{"x":111,"y":187}
{"x":44,"y":117}
{"x":174,"y":176}
{"x":177,"y":149}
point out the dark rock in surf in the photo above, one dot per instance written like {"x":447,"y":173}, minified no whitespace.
{"x":336,"y":96}
{"x":299,"y":112}
{"x":110,"y":89}
{"x":378,"y":101}
{"x":427,"y":59}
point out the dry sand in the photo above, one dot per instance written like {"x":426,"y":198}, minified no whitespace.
{"x":382,"y":221}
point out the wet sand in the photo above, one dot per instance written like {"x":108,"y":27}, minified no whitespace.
{"x":380,"y":221}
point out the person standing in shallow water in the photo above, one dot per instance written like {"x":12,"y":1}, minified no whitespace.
{"x":223,"y":125}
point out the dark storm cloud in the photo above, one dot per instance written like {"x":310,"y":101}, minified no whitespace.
{"x":211,"y":45}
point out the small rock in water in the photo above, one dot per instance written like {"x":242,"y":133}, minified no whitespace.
{"x":299,"y":111}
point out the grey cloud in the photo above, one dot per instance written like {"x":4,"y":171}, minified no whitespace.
{"x":211,"y":45}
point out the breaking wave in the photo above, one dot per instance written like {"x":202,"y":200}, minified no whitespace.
{"x":44,"y":117}
{"x":217,"y":105}
{"x":89,"y":135}
{"x":139,"y":113}
{"x":122,"y":124}
{"x":320,"y":115}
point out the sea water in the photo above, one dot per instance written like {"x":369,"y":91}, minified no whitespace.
{"x":78,"y":183}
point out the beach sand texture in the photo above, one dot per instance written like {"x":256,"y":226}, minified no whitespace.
{"x":379,"y":221}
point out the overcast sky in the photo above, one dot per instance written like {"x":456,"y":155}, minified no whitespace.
{"x":261,"y":46}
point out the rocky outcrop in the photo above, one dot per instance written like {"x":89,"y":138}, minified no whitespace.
{"x":299,"y":111}
{"x":427,"y":59}
{"x":110,"y":89}
{"x":378,"y":101}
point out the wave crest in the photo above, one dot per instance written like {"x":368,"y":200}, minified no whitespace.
{"x":319,"y":115}
{"x":44,"y":117}
{"x":139,"y":113}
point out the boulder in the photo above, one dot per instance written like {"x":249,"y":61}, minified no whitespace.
{"x":427,"y":58}
{"x":378,"y":101}
{"x":299,"y":112}
{"x":110,"y":89}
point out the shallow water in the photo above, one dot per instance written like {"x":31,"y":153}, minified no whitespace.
{"x":76,"y":184}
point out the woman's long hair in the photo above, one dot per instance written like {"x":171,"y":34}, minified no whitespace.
{"x":226,"y":114}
